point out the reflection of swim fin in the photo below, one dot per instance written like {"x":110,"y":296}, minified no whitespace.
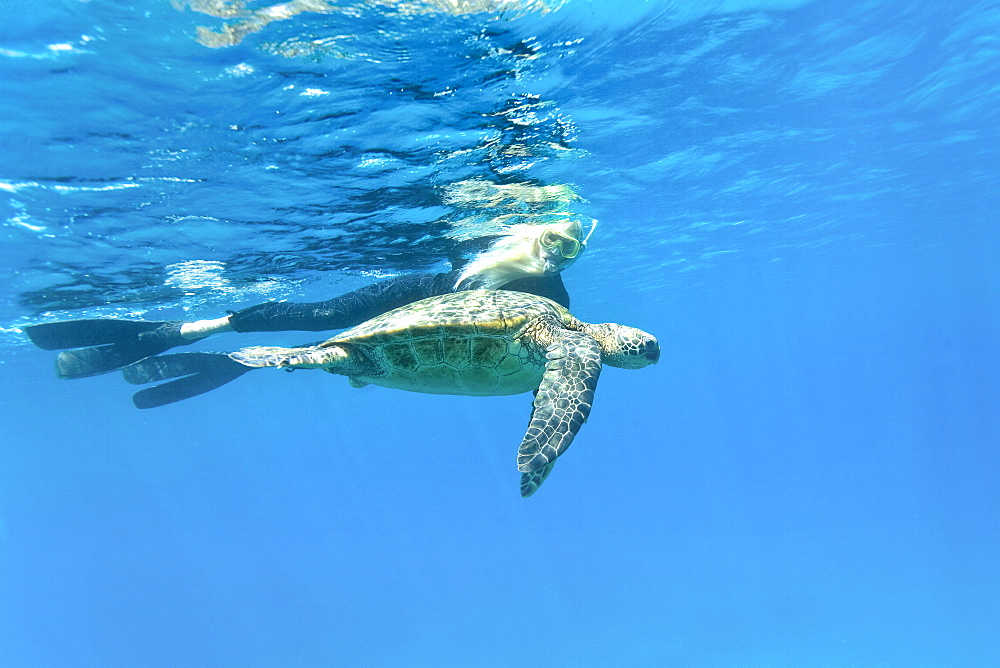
{"x":196,"y":374}
{"x":104,"y":344}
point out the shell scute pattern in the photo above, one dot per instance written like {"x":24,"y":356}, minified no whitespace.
{"x":487,"y":350}
{"x":428,"y":350}
{"x":436,"y":375}
{"x":401,"y":356}
{"x":479,"y":380}
{"x":511,"y":364}
{"x":489,"y":312}
{"x":456,"y":352}
{"x":463,"y":343}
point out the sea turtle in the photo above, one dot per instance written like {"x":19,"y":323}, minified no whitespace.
{"x":480,"y":343}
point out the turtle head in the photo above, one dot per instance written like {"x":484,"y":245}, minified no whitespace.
{"x":624,"y":347}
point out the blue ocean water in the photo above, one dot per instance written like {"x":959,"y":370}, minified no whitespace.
{"x":798,"y":198}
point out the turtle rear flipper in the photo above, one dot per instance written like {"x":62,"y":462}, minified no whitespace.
{"x":306,"y":357}
{"x":561,"y":405}
{"x":196,"y":373}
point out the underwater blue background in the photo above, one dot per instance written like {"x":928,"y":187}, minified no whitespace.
{"x":798,"y":198}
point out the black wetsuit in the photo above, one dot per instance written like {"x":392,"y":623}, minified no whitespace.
{"x":355,"y":307}
{"x":100,"y":345}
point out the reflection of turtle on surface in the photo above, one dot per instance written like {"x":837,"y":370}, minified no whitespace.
{"x":480,"y":343}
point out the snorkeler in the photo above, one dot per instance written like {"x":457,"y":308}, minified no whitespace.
{"x":528,"y":258}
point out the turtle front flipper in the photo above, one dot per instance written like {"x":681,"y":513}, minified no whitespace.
{"x":561,"y":405}
{"x":532,"y":480}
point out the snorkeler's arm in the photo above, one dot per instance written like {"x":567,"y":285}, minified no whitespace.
{"x":346,"y":310}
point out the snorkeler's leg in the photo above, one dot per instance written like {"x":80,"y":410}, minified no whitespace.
{"x":106,"y":344}
{"x":347,"y":310}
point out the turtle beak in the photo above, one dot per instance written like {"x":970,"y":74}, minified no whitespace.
{"x":651,"y":351}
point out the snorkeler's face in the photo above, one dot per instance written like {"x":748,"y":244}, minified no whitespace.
{"x":561,"y":245}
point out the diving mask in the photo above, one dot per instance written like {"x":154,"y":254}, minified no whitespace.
{"x":562,"y":244}
{"x":566,"y":242}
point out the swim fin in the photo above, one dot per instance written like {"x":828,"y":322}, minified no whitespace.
{"x":104,"y":344}
{"x":196,"y":374}
{"x":86,"y":332}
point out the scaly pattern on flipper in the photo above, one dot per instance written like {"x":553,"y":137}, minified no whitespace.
{"x":262,"y":356}
{"x":532,"y":480}
{"x":563,"y":401}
